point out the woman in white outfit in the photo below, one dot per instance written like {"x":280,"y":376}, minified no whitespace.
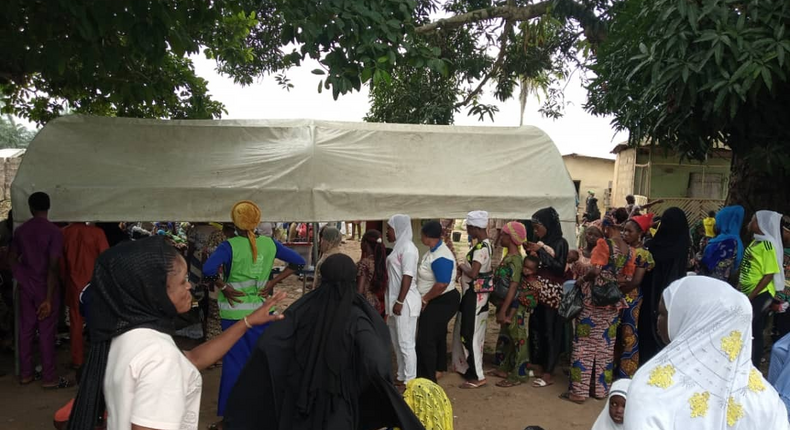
{"x":402,"y":301}
{"x":704,"y":378}
{"x":470,"y":323}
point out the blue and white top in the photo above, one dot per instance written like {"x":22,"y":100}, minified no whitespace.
{"x":437,"y":266}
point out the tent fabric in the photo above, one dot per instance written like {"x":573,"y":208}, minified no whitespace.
{"x":119,"y":169}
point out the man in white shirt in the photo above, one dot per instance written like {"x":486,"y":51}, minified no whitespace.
{"x":403,"y":302}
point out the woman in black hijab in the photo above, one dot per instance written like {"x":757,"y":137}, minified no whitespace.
{"x":327,"y":366}
{"x":670,"y":249}
{"x":136,"y":290}
{"x":546,"y":325}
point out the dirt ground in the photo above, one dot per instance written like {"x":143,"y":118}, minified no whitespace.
{"x":31,"y":407}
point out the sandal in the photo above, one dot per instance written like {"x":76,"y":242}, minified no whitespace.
{"x":497,"y":373}
{"x":29,"y":380}
{"x":219,"y":425}
{"x":507,"y":384}
{"x":468,"y":385}
{"x":59,"y":384}
{"x":567,"y":396}
{"x":540,"y":383}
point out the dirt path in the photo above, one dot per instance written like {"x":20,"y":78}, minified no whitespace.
{"x":31,"y":407}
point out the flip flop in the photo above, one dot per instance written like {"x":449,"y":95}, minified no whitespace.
{"x":567,"y":397}
{"x":61,"y":383}
{"x":472,"y":386}
{"x":496,"y":372}
{"x":507,"y":384}
{"x":540,"y":383}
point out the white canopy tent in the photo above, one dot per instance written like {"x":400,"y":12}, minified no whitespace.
{"x":120,"y":169}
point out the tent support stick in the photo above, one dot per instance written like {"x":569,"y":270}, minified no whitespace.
{"x":16,"y":328}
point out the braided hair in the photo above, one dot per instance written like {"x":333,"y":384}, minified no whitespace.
{"x":128,"y":291}
{"x":373,"y":239}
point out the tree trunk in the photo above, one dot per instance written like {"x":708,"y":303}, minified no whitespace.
{"x":754,"y":189}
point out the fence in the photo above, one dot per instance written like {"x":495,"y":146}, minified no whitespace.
{"x":695,"y":209}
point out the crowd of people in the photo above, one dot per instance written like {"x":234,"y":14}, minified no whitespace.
{"x":646,"y":308}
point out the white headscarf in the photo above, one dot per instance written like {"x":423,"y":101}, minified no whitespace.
{"x":477,"y":219}
{"x":403,"y":234}
{"x":604,"y":421}
{"x":704,"y":379}
{"x":771,"y":225}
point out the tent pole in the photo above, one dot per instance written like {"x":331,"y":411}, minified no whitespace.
{"x":15,"y":295}
{"x":315,"y":244}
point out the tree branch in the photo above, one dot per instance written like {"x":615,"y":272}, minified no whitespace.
{"x":494,"y":68}
{"x":508,"y":12}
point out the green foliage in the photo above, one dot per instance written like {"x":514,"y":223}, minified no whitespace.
{"x":691,"y":75}
{"x":13,"y":135}
{"x":532,"y":56}
{"x":129,"y":57}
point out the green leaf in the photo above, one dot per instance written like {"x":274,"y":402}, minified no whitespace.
{"x":320,"y":86}
{"x":767,"y":77}
{"x":318,"y":72}
{"x":382,"y":59}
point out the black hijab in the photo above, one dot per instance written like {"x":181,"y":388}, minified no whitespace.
{"x":128,"y":291}
{"x":327,"y":365}
{"x":552,"y":267}
{"x":672,"y":238}
{"x":670,"y":250}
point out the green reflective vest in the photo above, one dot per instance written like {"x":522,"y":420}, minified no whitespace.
{"x":247,"y":276}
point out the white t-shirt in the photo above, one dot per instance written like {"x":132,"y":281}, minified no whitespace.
{"x":426,"y":277}
{"x":399,"y":264}
{"x":483,"y":256}
{"x":149,"y":382}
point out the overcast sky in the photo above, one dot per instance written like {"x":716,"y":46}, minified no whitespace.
{"x":577,"y":131}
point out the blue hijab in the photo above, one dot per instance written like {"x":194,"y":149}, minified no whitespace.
{"x":729,"y":222}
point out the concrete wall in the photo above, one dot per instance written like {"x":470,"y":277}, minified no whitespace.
{"x":671,"y":178}
{"x":8,"y":169}
{"x":623,"y":183}
{"x":594,"y":174}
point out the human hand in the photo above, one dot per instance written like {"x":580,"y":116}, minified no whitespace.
{"x":397,"y":309}
{"x":44,"y":310}
{"x":233,"y":295}
{"x":533,"y":247}
{"x":262,"y":315}
{"x":264,"y":292}
{"x":501,"y":317}
{"x":424,"y":304}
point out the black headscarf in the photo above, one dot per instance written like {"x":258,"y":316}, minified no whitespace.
{"x":128,"y":291}
{"x":327,"y":365}
{"x":672,"y":238}
{"x":670,"y":250}
{"x":552,"y":267}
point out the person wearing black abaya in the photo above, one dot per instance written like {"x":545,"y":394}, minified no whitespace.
{"x":546,"y":325}
{"x":134,"y":366}
{"x":670,"y":249}
{"x":327,"y":365}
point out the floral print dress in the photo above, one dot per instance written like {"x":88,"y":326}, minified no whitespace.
{"x":366,"y":271}
{"x":592,"y":358}
{"x":628,"y":336}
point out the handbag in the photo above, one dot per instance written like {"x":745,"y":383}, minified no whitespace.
{"x":484,"y":282}
{"x":609,"y":292}
{"x":572,"y":303}
{"x":501,"y":285}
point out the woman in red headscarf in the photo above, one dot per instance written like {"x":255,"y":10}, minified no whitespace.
{"x":628,"y":336}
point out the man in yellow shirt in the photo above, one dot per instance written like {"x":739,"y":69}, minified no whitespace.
{"x":761,"y":272}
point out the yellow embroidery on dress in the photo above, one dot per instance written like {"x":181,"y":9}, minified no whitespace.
{"x":734,"y":412}
{"x":756,"y":381}
{"x":699,"y":404}
{"x":661,"y":376}
{"x":731,"y":345}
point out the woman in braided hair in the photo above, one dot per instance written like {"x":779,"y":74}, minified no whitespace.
{"x":134,"y":367}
